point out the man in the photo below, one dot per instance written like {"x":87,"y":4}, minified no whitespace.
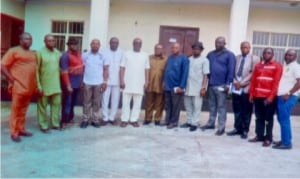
{"x":263,"y":90}
{"x":19,"y":67}
{"x":71,"y":65}
{"x":114,"y":56}
{"x":175,"y":78}
{"x":242,"y":108}
{"x":222,"y":64}
{"x":154,"y":92}
{"x":196,"y":86}
{"x":287,"y":97}
{"x":134,"y":78}
{"x":95,"y":79}
{"x":48,"y":81}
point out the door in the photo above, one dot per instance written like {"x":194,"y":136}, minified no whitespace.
{"x":185,"y":36}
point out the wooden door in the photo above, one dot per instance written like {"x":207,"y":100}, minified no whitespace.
{"x":185,"y":36}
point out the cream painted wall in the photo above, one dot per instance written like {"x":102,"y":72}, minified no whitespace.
{"x":38,"y":17}
{"x":211,"y":19}
{"x":273,"y":20}
{"x":13,"y":8}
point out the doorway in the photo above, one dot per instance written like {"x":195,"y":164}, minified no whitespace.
{"x":185,"y":36}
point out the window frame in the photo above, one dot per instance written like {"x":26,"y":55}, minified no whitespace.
{"x":67,"y":34}
{"x":279,"y":56}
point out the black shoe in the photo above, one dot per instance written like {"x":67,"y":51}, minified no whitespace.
{"x":45,"y":131}
{"x":220,"y":132}
{"x":283,"y":147}
{"x":15,"y":138}
{"x":25,"y":134}
{"x":276,"y":143}
{"x":233,"y":132}
{"x":55,"y":128}
{"x":172,"y":125}
{"x":95,"y":124}
{"x":207,"y":127}
{"x":164,"y":124}
{"x":256,"y":139}
{"x":146,"y":122}
{"x":193,"y":128}
{"x":244,"y":135}
{"x":185,"y":125}
{"x":157,"y":123}
{"x":84,"y":124}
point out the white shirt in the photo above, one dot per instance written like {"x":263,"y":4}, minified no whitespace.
{"x":93,"y":68}
{"x":290,"y":74}
{"x":198,"y":68}
{"x":114,"y":58}
{"x":135,"y":64}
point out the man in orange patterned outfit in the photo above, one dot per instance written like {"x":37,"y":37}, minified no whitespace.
{"x":19,"y":66}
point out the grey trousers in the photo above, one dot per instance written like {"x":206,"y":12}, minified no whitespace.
{"x":193,"y":105}
{"x":217,"y":107}
{"x":91,"y":103}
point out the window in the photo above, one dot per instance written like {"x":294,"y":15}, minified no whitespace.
{"x":279,"y":41}
{"x":62,"y":30}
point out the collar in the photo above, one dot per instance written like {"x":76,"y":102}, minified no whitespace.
{"x":267,"y":63}
{"x":74,"y":53}
{"x":91,"y":53}
{"x":157,"y":57}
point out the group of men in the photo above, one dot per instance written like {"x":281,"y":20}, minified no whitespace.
{"x":166,"y":82}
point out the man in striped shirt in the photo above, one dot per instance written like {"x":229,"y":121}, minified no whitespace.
{"x":263,"y":91}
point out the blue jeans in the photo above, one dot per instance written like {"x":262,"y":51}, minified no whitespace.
{"x":284,"y":109}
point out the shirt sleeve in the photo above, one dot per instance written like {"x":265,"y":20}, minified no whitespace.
{"x":253,"y":81}
{"x":38,"y":69}
{"x":84,"y":57}
{"x":123,"y":60}
{"x":297,"y":71}
{"x":8,"y":59}
{"x":206,"y":66}
{"x":64,"y":66}
{"x":231,"y":68}
{"x":147,"y":62}
{"x":185,"y":71}
{"x":106,"y":60}
{"x":277,"y":77}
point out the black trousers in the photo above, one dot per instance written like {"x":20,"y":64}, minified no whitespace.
{"x":264,"y":118}
{"x":242,"y":109}
{"x":172,"y":105}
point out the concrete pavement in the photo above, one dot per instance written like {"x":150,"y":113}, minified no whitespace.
{"x":148,"y":151}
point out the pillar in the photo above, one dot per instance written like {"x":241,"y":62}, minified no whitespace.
{"x":238,"y":24}
{"x":99,"y":15}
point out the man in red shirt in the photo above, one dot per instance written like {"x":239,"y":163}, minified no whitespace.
{"x":71,"y":65}
{"x":263,"y":90}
